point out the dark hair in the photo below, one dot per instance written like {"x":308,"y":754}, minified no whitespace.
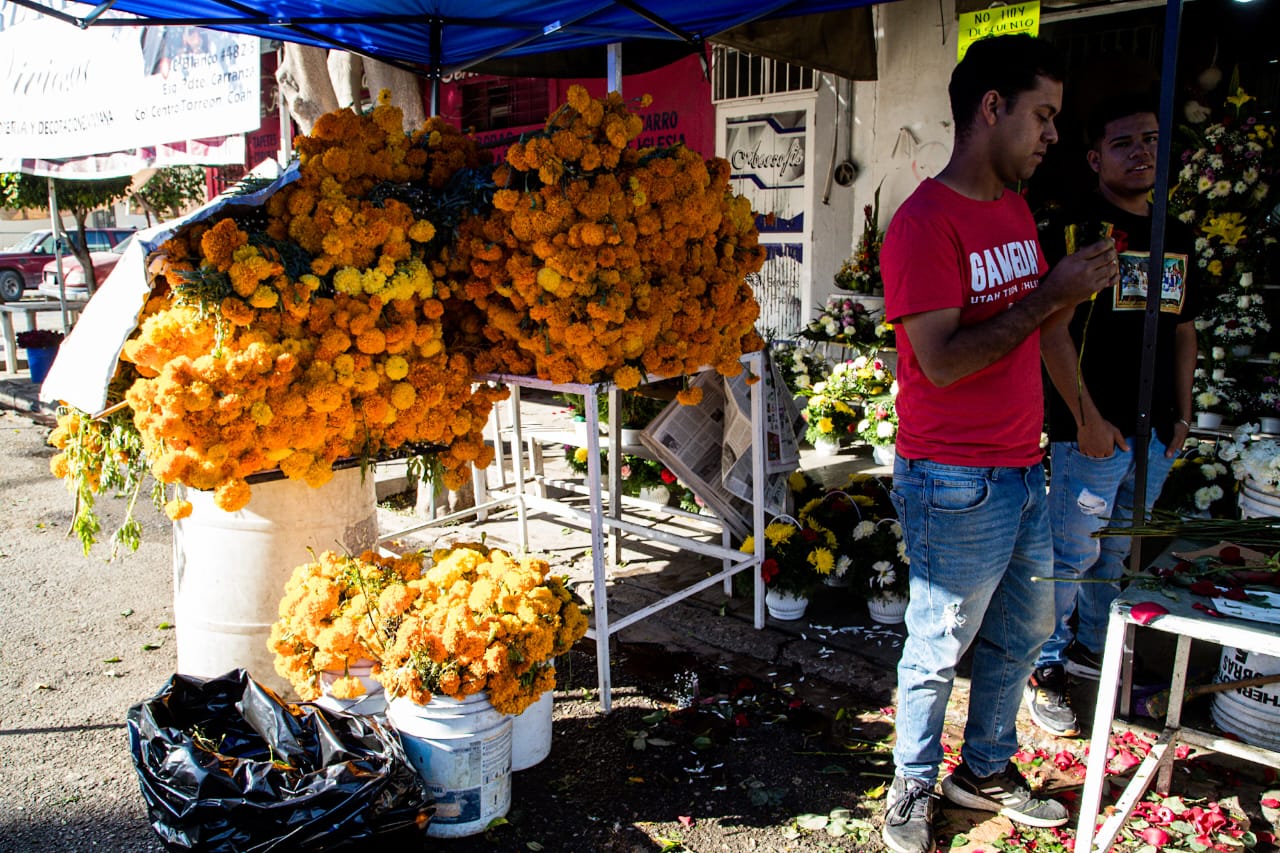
{"x":1116,"y":107}
{"x":1007,"y":64}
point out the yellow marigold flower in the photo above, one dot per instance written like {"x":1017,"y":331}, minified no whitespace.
{"x":627,"y":377}
{"x":403,"y":395}
{"x":231,"y":495}
{"x":422,"y":231}
{"x":177,"y":509}
{"x":580,"y":455}
{"x":346,"y":280}
{"x":58,"y":465}
{"x":261,"y":413}
{"x":396,"y":369}
{"x":264,"y":297}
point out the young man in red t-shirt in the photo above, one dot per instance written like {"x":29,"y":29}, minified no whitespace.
{"x":965,"y":280}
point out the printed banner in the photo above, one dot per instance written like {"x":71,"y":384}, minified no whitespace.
{"x":71,"y":93}
{"x":998,"y":21}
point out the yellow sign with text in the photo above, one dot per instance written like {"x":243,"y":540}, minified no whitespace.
{"x":998,"y":21}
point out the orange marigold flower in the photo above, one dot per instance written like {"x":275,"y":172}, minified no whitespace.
{"x":177,"y":509}
{"x":627,"y":377}
{"x":371,"y":342}
{"x":232,"y":495}
{"x":690,"y":396}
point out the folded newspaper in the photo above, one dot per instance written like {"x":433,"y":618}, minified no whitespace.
{"x":708,"y":446}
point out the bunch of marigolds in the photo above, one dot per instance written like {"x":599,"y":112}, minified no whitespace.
{"x":482,"y":620}
{"x":350,"y":314}
{"x":335,"y":613}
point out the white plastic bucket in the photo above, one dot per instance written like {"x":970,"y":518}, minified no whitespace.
{"x":230,"y":568}
{"x":531,"y":732}
{"x":1251,"y":713}
{"x":462,"y":750}
{"x":374,"y":700}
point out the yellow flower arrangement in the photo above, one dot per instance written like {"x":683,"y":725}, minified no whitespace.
{"x":601,"y":261}
{"x":480,"y":619}
{"x":335,"y":612}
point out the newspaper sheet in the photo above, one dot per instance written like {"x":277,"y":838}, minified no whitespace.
{"x":782,"y":451}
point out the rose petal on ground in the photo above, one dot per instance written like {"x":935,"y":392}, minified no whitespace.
{"x":1144,"y":612}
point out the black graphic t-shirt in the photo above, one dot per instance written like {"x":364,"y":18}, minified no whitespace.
{"x":1112,"y":356}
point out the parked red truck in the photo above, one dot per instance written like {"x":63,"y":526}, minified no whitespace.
{"x":21,"y":265}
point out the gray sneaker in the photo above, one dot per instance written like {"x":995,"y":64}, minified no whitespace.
{"x":1005,"y":792}
{"x":908,"y":816}
{"x":1048,"y":703}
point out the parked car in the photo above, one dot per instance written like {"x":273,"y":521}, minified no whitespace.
{"x":76,"y":286}
{"x":22,"y":265}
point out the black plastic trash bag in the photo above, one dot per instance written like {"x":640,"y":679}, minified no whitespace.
{"x":224,"y":765}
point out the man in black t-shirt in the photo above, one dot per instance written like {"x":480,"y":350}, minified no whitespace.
{"x":1093,"y":356}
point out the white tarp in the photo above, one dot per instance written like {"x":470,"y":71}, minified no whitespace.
{"x":218,"y":151}
{"x":68,"y":92}
{"x":87,"y":359}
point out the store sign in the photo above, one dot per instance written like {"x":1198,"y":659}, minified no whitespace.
{"x":766,"y":156}
{"x":998,"y":21}
{"x":68,"y":92}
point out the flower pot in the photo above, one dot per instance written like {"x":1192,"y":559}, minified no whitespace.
{"x":1271,"y":426}
{"x":785,"y":605}
{"x":826,"y":446}
{"x":1257,"y":501}
{"x":887,"y":610}
{"x":462,"y":751}
{"x":1208,"y":420}
{"x":39,"y":360}
{"x":230,"y":568}
{"x":837,"y":582}
{"x":374,"y":700}
{"x":655,"y":494}
{"x":883,"y":454}
{"x":531,"y":732}
{"x":1242,"y":350}
{"x":580,"y":435}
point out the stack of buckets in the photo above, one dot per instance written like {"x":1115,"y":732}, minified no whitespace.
{"x":1251,"y":713}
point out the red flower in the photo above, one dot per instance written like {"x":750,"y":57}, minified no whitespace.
{"x":769,"y":569}
{"x":1231,"y":556}
{"x":1203,"y":587}
{"x":667,"y":476}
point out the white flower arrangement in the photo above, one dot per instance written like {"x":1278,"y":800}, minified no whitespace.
{"x":801,"y":367}
{"x":1214,"y":391}
{"x":1257,"y":461}
{"x":1237,"y":317}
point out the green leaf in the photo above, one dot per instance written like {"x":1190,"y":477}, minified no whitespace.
{"x":1182,"y":827}
{"x":841,"y":714}
{"x":657,"y":741}
{"x":701,"y":742}
{"x":811,"y":822}
{"x":959,"y":840}
{"x":165,"y":626}
{"x":654,"y":718}
{"x":112,"y":660}
{"x":128,"y":612}
{"x":533,"y":845}
{"x":150,"y":647}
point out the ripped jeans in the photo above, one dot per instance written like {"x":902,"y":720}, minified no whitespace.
{"x":1085,"y":493}
{"x":976,"y":538}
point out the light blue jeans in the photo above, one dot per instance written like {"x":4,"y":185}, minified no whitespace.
{"x":976,"y":538}
{"x":1085,"y":495}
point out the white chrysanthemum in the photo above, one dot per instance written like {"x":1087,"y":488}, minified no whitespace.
{"x":885,"y":429}
{"x":1218,"y":353}
{"x":863,"y":529}
{"x":842,"y":566}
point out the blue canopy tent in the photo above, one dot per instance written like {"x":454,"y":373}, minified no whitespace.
{"x":446,"y":36}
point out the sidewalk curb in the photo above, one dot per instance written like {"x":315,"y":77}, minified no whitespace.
{"x":22,"y":395}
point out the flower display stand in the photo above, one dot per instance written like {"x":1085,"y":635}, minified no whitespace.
{"x":604,"y":515}
{"x":230,"y":568}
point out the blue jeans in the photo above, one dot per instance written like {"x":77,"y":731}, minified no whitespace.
{"x":1085,"y":495}
{"x":976,"y":538}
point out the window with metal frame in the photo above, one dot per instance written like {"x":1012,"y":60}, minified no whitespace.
{"x":735,"y":74}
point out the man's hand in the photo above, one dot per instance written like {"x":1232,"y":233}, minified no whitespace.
{"x":1077,"y":277}
{"x":1098,"y":438}
{"x":1180,"y":431}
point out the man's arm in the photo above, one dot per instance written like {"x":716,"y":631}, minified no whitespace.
{"x":1184,"y":371}
{"x":948,"y":351}
{"x":1095,"y":435}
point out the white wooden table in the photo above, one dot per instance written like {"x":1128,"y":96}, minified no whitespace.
{"x":30,"y":308}
{"x":1187,"y":624}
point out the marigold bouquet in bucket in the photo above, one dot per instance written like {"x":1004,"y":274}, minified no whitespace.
{"x":481,"y":619}
{"x":335,"y":613}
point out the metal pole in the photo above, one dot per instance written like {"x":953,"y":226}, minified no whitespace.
{"x":613,"y":64}
{"x":1159,"y":211}
{"x":55,"y":223}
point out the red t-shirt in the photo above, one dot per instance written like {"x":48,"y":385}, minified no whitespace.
{"x":945,"y":250}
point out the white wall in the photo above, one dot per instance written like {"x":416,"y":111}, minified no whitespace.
{"x":903,"y":130}
{"x":835,"y":208}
